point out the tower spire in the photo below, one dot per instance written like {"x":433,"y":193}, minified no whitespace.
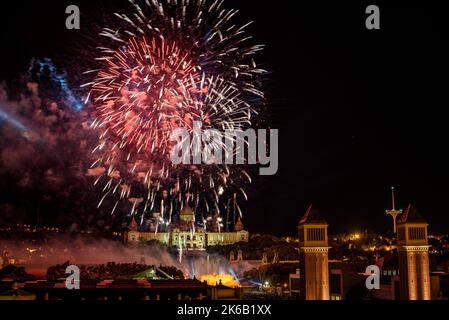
{"x":392,"y":197}
{"x":393,"y":212}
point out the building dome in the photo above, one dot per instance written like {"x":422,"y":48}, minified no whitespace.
{"x":186,"y":210}
{"x":133,"y":225}
{"x":238,"y":225}
{"x":186,"y":214}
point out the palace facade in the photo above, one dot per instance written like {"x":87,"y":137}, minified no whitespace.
{"x":187,"y":235}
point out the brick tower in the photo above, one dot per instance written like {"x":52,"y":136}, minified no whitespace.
{"x":314,"y":266}
{"x":413,"y":252}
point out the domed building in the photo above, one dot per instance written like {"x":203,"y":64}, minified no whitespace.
{"x":186,"y":235}
{"x":187,"y":216}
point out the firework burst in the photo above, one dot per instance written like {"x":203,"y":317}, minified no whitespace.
{"x":169,"y":64}
{"x":138,"y":93}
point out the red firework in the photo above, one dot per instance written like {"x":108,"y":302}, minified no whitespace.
{"x":139,"y":94}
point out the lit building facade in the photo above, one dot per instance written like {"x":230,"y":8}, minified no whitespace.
{"x":314,"y":264}
{"x":413,"y":251}
{"x":186,"y":235}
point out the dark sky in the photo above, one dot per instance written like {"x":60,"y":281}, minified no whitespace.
{"x":357,"y":110}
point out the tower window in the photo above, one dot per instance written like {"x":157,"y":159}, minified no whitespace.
{"x":416,"y":233}
{"x":316,"y":234}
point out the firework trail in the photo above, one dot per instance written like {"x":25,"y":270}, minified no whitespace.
{"x":159,"y":69}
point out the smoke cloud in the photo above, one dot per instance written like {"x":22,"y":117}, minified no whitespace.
{"x":80,"y":250}
{"x":45,"y":150}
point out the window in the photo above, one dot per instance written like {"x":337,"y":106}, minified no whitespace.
{"x":416,"y":233}
{"x":316,"y":234}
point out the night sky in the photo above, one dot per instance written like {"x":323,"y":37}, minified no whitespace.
{"x":357,"y":110}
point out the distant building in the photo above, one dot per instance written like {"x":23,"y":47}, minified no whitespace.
{"x":294,"y":284}
{"x":342,"y":281}
{"x":187,"y":235}
{"x":439,"y":285}
{"x":389,"y":278}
